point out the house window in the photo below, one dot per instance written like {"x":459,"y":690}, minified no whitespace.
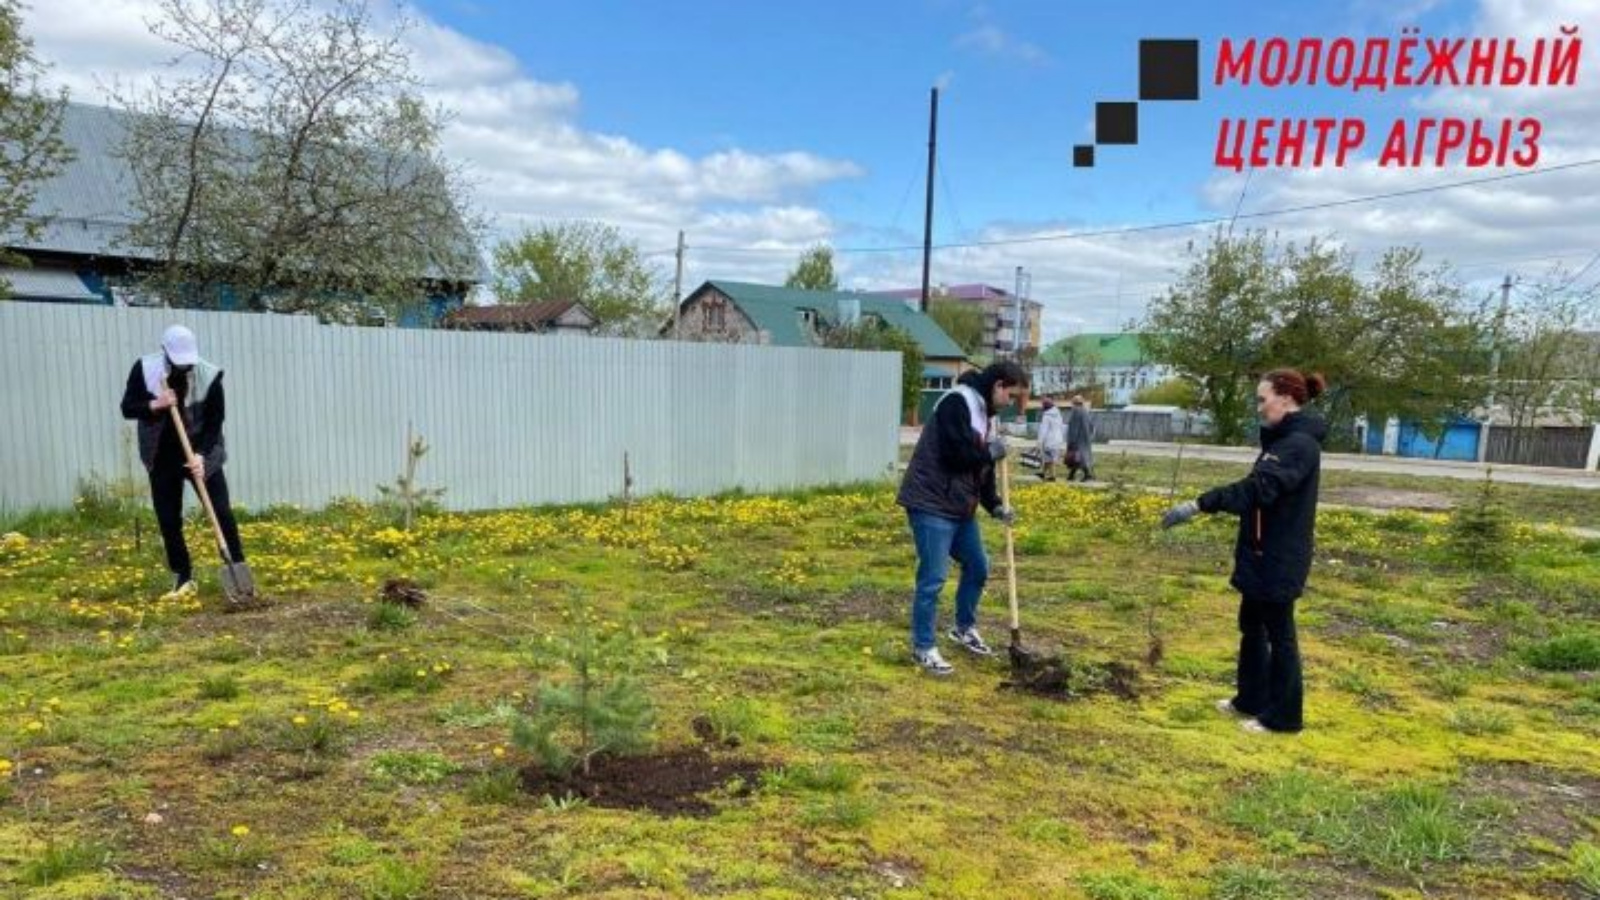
{"x":713,"y":316}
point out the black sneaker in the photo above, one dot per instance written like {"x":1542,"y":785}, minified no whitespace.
{"x":971,"y":640}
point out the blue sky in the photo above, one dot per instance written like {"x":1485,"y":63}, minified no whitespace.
{"x":774,"y":126}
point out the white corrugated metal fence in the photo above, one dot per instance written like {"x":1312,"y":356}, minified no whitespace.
{"x":317,"y":411}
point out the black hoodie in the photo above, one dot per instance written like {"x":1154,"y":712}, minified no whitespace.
{"x":950,"y":473}
{"x":1277,"y":509}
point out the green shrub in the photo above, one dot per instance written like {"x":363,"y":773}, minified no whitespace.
{"x":1578,"y":651}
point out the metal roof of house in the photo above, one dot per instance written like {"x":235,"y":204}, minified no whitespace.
{"x":89,"y":204}
{"x":47,"y":284}
{"x":776,"y":310}
{"x":1124,"y":349}
{"x":512,"y":315}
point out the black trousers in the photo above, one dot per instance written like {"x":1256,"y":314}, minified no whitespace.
{"x":166,"y":493}
{"x":1269,"y":679}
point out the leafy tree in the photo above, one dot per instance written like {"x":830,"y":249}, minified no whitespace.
{"x":873,"y":335}
{"x":1542,"y":361}
{"x":1179,"y":392}
{"x":1214,"y":323}
{"x":31,"y":148}
{"x":962,"y":321}
{"x":589,"y":262}
{"x":814,"y":271}
{"x":292,"y":164}
{"x":1396,"y":344}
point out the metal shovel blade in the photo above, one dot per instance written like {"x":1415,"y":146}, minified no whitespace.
{"x":239,"y":586}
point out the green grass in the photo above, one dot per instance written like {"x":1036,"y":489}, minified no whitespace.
{"x":220,"y":687}
{"x":1122,"y":886}
{"x":1246,"y":882}
{"x":390,"y":617}
{"x":1574,"y":652}
{"x":412,"y":767}
{"x":60,"y":862}
{"x":377,"y":762}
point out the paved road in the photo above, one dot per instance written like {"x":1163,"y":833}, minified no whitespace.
{"x":1390,"y":465}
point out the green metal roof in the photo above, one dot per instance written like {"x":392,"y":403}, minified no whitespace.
{"x":1107,"y":350}
{"x":776,"y":310}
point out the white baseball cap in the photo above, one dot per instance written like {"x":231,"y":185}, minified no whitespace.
{"x":180,"y":345}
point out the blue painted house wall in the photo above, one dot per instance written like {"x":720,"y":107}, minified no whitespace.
{"x":1459,"y":442}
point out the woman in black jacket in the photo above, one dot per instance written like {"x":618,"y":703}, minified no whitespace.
{"x":951,"y":474}
{"x":1277,"y":509}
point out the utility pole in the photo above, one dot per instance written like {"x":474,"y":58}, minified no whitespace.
{"x":1499,"y":330}
{"x":1016,"y":324}
{"x":927,"y":215}
{"x":677,"y":294}
{"x":1494,"y":368}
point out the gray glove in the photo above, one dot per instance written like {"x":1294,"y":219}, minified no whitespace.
{"x":1006,"y":515}
{"x":1180,"y":514}
{"x":997,"y":448}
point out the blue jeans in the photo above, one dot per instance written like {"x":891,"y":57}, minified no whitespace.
{"x":938,"y":541}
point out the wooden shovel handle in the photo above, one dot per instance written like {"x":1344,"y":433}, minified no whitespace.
{"x":199,"y":483}
{"x":1011,"y":550}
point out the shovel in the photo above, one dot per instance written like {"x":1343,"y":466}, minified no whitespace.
{"x":238,"y":585}
{"x":1023,"y":660}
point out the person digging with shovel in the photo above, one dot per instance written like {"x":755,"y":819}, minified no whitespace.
{"x":951,"y":474}
{"x":164,"y":387}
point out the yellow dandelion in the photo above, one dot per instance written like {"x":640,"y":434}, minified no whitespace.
{"x":499,"y":752}
{"x":240,"y":830}
{"x":36,"y":725}
{"x":299,"y":720}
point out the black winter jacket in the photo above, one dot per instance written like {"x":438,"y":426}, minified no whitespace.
{"x":1277,"y":509}
{"x":950,"y":473}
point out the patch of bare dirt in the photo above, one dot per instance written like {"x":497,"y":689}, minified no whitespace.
{"x":1388,"y":498}
{"x":673,"y":783}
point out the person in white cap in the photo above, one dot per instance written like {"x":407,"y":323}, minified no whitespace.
{"x":177,"y":376}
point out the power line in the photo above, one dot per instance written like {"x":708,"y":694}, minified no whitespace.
{"x":1186,"y":223}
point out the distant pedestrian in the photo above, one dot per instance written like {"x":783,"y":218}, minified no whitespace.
{"x":1052,"y":440}
{"x":1080,"y":441}
{"x":1277,"y":509}
{"x":951,"y":474}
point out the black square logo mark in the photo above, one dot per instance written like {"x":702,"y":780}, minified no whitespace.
{"x":1083,"y":156}
{"x":1116,"y":123}
{"x":1169,"y":70}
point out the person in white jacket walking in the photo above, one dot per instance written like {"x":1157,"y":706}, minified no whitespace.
{"x":1052,"y":440}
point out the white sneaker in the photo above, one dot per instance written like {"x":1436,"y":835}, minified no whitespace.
{"x":932,"y":662}
{"x":1225,"y":706}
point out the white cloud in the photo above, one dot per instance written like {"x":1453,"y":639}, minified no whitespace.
{"x":520,"y":138}
{"x":526,"y":146}
{"x":992,"y":40}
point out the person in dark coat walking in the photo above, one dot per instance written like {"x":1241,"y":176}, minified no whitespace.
{"x":1277,"y":509}
{"x":1080,"y":441}
{"x":951,"y":474}
{"x":175,"y":375}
